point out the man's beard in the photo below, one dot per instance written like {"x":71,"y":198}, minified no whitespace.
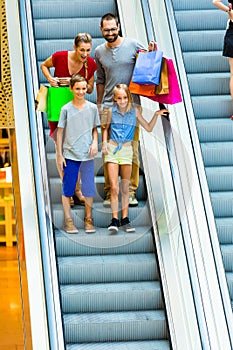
{"x":112,"y":39}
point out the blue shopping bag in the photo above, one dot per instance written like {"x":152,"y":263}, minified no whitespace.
{"x":148,"y":66}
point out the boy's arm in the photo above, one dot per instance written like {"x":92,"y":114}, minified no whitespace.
{"x":60,"y":160}
{"x":93,"y":150}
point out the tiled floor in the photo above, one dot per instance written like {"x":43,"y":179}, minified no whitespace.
{"x":11,"y":326}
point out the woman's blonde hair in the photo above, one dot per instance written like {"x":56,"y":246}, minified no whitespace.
{"x":126,"y":89}
{"x":86,"y":39}
{"x":82,"y":38}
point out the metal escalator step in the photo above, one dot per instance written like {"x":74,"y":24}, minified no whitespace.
{"x":215,"y":130}
{"x":66,"y":28}
{"x":227,"y":255}
{"x":200,"y":20}
{"x":211,"y":62}
{"x":188,"y":5}
{"x":107,"y":268}
{"x":128,"y":345}
{"x":216,"y":106}
{"x":217,"y":153}
{"x":225,"y":228}
{"x":220,"y":178}
{"x":104,"y":244}
{"x":229,"y":276}
{"x":139,"y":216}
{"x":208,"y":83}
{"x":76,"y":8}
{"x":109,"y":297}
{"x":211,"y":40}
{"x":115,"y":326}
{"x":222,"y":203}
{"x":55,"y":185}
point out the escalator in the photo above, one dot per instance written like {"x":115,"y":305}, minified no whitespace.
{"x":110,"y":290}
{"x":201,"y":28}
{"x":155,"y":289}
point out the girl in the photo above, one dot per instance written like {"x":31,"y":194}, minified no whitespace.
{"x":118,"y":152}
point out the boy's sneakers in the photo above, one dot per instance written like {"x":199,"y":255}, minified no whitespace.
{"x":114,"y":225}
{"x":89,"y":227}
{"x":133,"y":202}
{"x":126,"y":225}
{"x":69,"y":226}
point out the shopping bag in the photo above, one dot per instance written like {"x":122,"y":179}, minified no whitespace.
{"x":151,"y":89}
{"x":57,"y":98}
{"x":174,"y":95}
{"x":147,"y":68}
{"x":141,"y":89}
{"x":163,"y":87}
{"x":41,"y":99}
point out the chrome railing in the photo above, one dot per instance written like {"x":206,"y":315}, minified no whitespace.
{"x":44,"y":247}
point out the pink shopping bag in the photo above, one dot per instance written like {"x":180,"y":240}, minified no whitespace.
{"x":174,"y":95}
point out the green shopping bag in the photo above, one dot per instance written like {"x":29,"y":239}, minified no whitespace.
{"x":57,"y":98}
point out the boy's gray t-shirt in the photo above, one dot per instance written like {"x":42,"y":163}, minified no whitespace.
{"x":78,"y":126}
{"x":115,"y":65}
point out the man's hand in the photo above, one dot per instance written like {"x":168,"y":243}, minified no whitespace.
{"x":152,"y":46}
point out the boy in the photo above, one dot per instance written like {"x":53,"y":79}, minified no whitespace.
{"x":77,"y":145}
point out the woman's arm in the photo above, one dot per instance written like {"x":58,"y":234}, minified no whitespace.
{"x":148,"y":126}
{"x":90,"y":85}
{"x":45,"y":67}
{"x":219,"y":4}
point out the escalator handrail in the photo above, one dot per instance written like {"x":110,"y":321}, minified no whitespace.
{"x":202,"y":177}
{"x":41,"y":182}
{"x":203,"y":188}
